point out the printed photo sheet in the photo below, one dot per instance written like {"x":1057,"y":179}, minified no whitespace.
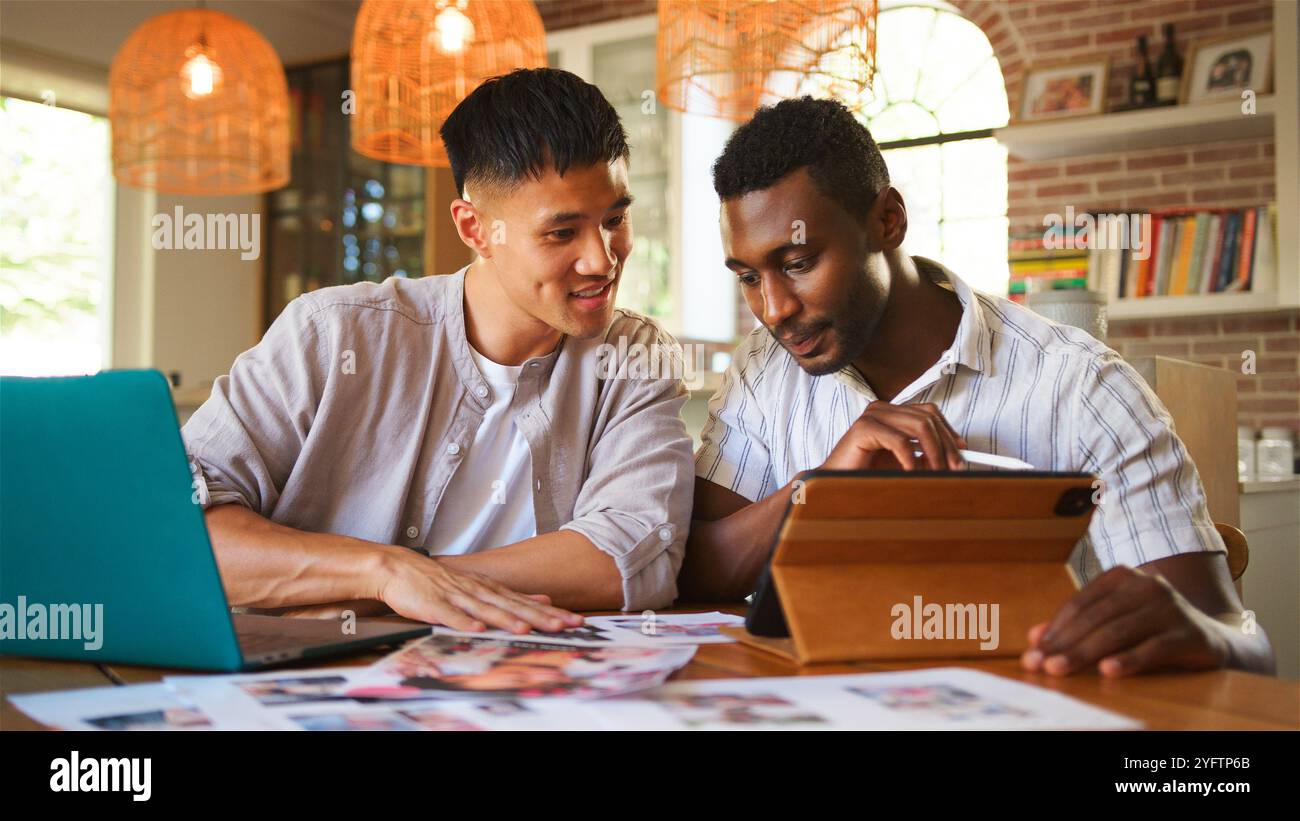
{"x":320,"y":700}
{"x":648,"y":629}
{"x":135,"y":707}
{"x":472,"y":666}
{"x":934,"y":699}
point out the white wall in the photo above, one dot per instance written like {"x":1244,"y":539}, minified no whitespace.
{"x":207,"y":304}
{"x":1270,"y":519}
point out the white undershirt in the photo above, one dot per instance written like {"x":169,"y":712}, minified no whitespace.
{"x":489,"y":500}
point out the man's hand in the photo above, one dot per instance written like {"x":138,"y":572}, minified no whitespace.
{"x":426,"y":589}
{"x":1127,"y":621}
{"x":886,"y":436}
{"x":731,"y":537}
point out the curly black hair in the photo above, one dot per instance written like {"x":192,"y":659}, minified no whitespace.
{"x":822,"y":135}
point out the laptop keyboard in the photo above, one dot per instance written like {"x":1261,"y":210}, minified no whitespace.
{"x":254,"y":644}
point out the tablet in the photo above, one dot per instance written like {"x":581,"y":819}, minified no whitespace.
{"x":888,"y":517}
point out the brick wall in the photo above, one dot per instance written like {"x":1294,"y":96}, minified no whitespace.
{"x":1024,"y":33}
{"x":1028,"y":32}
{"x":1270,"y":396}
{"x":1224,"y":174}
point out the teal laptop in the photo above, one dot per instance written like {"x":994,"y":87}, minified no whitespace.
{"x":104,"y":554}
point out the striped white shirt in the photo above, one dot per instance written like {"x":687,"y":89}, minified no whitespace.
{"x":1012,"y":383}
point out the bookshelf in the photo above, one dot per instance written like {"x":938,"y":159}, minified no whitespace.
{"x":1277,"y":115}
{"x":1152,"y":307}
{"x":1139,"y":130}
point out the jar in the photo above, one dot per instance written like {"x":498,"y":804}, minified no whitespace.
{"x":1275,"y":453}
{"x":1082,"y":309}
{"x":1245,"y":453}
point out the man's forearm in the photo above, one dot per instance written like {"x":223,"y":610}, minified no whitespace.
{"x":563,"y":565}
{"x":264,"y":564}
{"x":724,"y":558}
{"x":1251,"y":652}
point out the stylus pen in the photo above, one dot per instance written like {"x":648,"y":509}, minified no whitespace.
{"x":991,"y":459}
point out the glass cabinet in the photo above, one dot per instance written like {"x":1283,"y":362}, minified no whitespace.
{"x":344,"y":217}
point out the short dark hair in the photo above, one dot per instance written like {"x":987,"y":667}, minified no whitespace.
{"x":822,"y":135}
{"x":520,"y":123}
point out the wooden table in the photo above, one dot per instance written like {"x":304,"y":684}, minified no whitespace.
{"x":1219,"y":700}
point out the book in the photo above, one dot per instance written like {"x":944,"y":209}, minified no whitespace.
{"x":1183,"y":258}
{"x":1213,"y":249}
{"x":1169,"y":250}
{"x":1071,"y":263}
{"x":1263,"y":276}
{"x":1200,"y":235}
{"x":1142,"y":285}
{"x":1229,"y":250}
{"x":1115,"y":281}
{"x":1241,"y":280}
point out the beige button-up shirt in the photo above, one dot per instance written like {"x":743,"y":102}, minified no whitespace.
{"x":353,"y":412}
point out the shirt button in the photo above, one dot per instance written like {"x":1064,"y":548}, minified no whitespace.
{"x":482,"y":391}
{"x":453,"y":448}
{"x":665,"y":534}
{"x":412,"y":532}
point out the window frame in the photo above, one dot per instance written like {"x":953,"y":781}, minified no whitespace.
{"x":574,"y":48}
{"x":942,"y":138}
{"x":28,"y":83}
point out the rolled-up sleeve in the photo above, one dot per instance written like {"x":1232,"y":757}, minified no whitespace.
{"x":244,"y":440}
{"x":1152,"y":504}
{"x":733,"y":450}
{"x":635,"y":502}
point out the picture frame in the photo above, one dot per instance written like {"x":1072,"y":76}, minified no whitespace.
{"x":1064,"y":89}
{"x":1241,"y":61}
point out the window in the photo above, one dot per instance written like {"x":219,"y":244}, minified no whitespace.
{"x":675,"y":218}
{"x":56,"y":240}
{"x":938,"y":94}
{"x":343,"y":217}
{"x":620,"y":68}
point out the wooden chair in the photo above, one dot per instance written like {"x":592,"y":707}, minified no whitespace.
{"x":1238,"y":551}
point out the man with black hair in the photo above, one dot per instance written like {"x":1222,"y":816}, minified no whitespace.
{"x":435,"y":445}
{"x":866,"y":355}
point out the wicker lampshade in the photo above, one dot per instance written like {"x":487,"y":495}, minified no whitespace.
{"x":413,"y":61}
{"x":724,"y":58}
{"x":198,"y":104}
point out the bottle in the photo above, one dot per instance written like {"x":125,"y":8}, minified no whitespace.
{"x":1141,"y":92}
{"x":1169,"y":70}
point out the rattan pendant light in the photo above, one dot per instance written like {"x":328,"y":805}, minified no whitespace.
{"x":414,"y":60}
{"x":724,"y":58}
{"x":198,"y":104}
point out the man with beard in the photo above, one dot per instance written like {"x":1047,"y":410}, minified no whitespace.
{"x":866,"y":355}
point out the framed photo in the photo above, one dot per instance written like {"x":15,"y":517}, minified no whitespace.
{"x":1219,"y":67}
{"x":1059,"y":90}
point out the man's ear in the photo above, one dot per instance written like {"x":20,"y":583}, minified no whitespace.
{"x":472,"y":227}
{"x":887,"y":220}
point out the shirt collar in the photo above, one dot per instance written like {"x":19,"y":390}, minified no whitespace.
{"x":971,"y":346}
{"x":453,"y":311}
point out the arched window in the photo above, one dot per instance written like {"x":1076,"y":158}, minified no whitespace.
{"x":937,"y":96}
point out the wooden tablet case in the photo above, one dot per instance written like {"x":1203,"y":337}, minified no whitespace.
{"x":860,"y":544}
